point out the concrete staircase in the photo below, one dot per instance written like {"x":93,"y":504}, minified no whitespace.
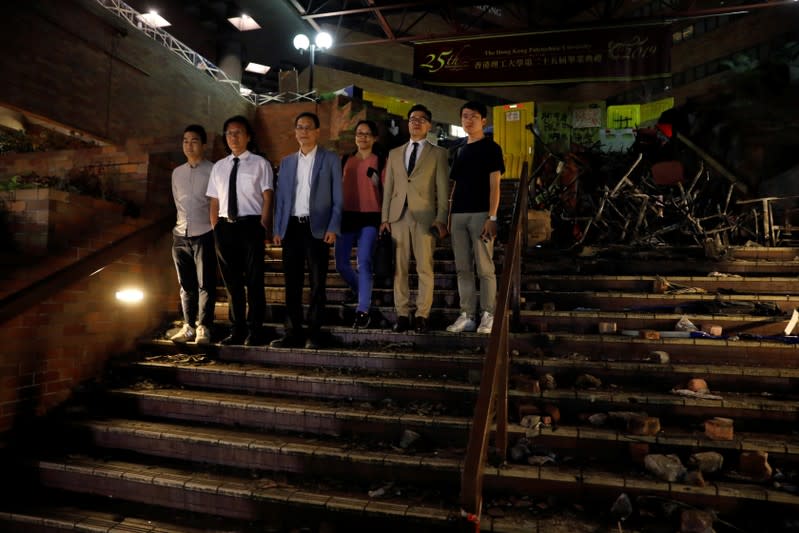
{"x":370,"y":432}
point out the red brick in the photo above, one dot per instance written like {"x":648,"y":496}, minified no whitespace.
{"x":719,"y":428}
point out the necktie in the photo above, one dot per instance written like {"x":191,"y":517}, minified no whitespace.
{"x":412,"y":159}
{"x":232,"y":199}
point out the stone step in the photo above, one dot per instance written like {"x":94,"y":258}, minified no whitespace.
{"x":342,"y":316}
{"x":339,"y":334}
{"x":592,"y":438}
{"x":587,"y":321}
{"x":746,"y":261}
{"x":350,"y":458}
{"x":635,"y":301}
{"x":720,"y":377}
{"x":239,"y":497}
{"x":244,"y":498}
{"x":648,"y":284}
{"x":327,"y":383}
{"x":296,"y":415}
{"x":714,"y":351}
{"x":44,"y":518}
{"x":732,"y":405}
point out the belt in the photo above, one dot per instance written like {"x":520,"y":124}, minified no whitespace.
{"x":245,"y":218}
{"x":302,"y":220}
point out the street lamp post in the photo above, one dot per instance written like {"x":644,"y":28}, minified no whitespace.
{"x":322,"y":41}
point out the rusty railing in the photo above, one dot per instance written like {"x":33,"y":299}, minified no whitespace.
{"x":492,"y":400}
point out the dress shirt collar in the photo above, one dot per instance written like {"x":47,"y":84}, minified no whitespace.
{"x":309,"y":155}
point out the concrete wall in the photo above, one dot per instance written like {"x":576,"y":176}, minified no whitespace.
{"x":76,"y":63}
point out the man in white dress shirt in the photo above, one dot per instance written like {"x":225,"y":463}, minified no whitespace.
{"x":240,"y":189}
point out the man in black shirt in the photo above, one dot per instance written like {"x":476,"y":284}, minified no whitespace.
{"x":476,"y":173}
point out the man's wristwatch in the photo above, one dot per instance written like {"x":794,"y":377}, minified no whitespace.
{"x":492,"y":218}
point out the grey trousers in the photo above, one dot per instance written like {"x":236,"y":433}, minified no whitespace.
{"x":471,"y":251}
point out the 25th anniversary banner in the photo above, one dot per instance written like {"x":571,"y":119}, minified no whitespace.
{"x":608,"y":54}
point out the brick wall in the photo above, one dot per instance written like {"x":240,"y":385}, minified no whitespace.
{"x":67,"y":339}
{"x":127,"y":170}
{"x":78,"y":64}
{"x":43,"y":220}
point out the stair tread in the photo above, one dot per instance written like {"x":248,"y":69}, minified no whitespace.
{"x":298,"y":406}
{"x":295,"y":374}
{"x":263,"y":490}
{"x":78,"y":519}
{"x":282,"y":444}
{"x":642,"y":398}
{"x":697,"y":370}
{"x":743,"y":441}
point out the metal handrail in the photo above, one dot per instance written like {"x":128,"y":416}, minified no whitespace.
{"x":492,"y":398}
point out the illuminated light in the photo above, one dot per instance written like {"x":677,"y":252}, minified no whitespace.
{"x":323,"y":40}
{"x":257,"y":68}
{"x":130,"y":295}
{"x":154,"y":19}
{"x":301,"y":42}
{"x":244,"y":23}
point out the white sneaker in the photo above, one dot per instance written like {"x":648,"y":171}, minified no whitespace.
{"x":464,"y":323}
{"x":486,"y":323}
{"x":203,"y":335}
{"x":186,"y":334}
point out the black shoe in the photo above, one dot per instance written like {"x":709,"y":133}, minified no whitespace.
{"x":233,"y":338}
{"x":362,"y":320}
{"x":286,"y":341}
{"x":253,"y":339}
{"x":420,"y":324}
{"x":402,"y":325}
{"x":312,"y":344}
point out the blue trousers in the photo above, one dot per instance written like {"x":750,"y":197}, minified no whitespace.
{"x":361,"y":281}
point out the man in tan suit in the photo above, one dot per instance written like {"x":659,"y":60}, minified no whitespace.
{"x":415,"y":198}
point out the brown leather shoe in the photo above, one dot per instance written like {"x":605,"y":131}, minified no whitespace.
{"x":420,"y":324}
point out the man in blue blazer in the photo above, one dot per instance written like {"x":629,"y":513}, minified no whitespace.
{"x":308,"y":204}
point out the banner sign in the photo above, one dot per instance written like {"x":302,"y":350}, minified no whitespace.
{"x":607,"y":54}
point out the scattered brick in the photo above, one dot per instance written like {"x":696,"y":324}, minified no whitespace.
{"x":638,"y":452}
{"x":695,"y":521}
{"x":719,"y":428}
{"x":643,"y":425}
{"x":755,"y":465}
{"x":698,"y":385}
{"x":607,"y":327}
{"x":712,"y":329}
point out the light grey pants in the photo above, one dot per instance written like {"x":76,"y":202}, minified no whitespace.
{"x":470,"y":250}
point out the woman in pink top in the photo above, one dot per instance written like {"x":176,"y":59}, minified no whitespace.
{"x":363,"y":194}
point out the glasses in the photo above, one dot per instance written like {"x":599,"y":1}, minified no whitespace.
{"x":363,"y":134}
{"x":304,"y":128}
{"x":473,"y":116}
{"x":418,"y":120}
{"x":234,"y":133}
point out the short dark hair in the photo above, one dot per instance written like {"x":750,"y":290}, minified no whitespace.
{"x":199,"y":130}
{"x":239,"y":119}
{"x":369,"y":124}
{"x":479,"y":107}
{"x":423,"y":109}
{"x":308,"y":114}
